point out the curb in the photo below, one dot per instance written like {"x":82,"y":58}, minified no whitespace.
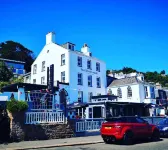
{"x":56,"y":145}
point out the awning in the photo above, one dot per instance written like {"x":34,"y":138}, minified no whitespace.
{"x":26,"y":86}
{"x":77,"y":105}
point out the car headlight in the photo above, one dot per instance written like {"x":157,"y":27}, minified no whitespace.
{"x":165,"y":128}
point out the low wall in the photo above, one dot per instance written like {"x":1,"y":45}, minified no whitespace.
{"x":21,"y":131}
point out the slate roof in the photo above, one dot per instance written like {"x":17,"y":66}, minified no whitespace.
{"x":124,"y":81}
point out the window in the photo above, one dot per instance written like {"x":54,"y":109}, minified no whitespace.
{"x":35,"y":69}
{"x":109,"y":92}
{"x":129,"y":92}
{"x":80,"y":96}
{"x":42,"y":80}
{"x":140,"y":120}
{"x":47,"y":51}
{"x":98,"y":82}
{"x":146,"y":91}
{"x":90,"y":81}
{"x":98,"y":66}
{"x":152,"y":92}
{"x":63,"y":76}
{"x":89,"y":64}
{"x":80,"y":61}
{"x":34,"y":81}
{"x":80,"y":81}
{"x":119,"y":93}
{"x":43,"y":66}
{"x":98,"y":94}
{"x":90,"y":94}
{"x":62,"y":59}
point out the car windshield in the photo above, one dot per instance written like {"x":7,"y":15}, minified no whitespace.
{"x":117,"y":120}
{"x":162,"y":122}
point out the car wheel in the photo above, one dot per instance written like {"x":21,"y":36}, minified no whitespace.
{"x":107,"y":140}
{"x":128,"y":138}
{"x":155,"y":135}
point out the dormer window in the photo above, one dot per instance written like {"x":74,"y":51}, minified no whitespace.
{"x":71,"y":47}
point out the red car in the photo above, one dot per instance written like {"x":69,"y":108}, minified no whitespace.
{"x":127,"y":129}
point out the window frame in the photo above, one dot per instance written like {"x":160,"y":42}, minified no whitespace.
{"x":81,"y":83}
{"x":80,"y":99}
{"x":34,"y":80}
{"x":43,"y":80}
{"x":43,"y":66}
{"x":119,"y":93}
{"x":89,"y":65}
{"x":129,"y":89}
{"x":79,"y":59}
{"x":35,"y":69}
{"x":63,"y":76}
{"x":62,"y":59}
{"x":98,"y":66}
{"x":98,"y":86}
{"x":90,"y":76}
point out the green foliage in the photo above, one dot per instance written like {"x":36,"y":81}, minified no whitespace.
{"x":5,"y":73}
{"x":16,"y":106}
{"x":155,"y":77}
{"x":15,"y":51}
{"x":2,"y":84}
{"x":19,"y":79}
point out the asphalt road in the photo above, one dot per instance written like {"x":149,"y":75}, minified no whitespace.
{"x":160,"y":145}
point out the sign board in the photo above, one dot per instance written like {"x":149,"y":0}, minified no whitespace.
{"x":3,"y":98}
{"x":88,"y":71}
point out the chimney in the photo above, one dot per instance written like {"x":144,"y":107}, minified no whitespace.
{"x":50,"y":38}
{"x":86,"y":50}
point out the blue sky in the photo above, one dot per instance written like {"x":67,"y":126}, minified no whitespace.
{"x":131,"y":33}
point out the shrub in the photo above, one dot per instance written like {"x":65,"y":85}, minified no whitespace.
{"x":16,"y":106}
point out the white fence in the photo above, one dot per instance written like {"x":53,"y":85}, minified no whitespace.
{"x":44,"y":117}
{"x":85,"y":125}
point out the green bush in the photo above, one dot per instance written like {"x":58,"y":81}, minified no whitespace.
{"x":16,"y":106}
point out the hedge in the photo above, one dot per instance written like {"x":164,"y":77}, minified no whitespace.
{"x":16,"y":106}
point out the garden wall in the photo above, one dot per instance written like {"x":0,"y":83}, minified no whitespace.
{"x":21,"y":131}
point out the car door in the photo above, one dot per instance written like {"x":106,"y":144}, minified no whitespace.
{"x":143,"y":127}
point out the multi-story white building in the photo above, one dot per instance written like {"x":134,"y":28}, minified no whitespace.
{"x":85,"y":74}
{"x":133,"y":89}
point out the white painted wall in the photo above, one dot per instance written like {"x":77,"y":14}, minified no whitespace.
{"x":74,"y":70}
{"x":138,"y":93}
{"x":51,"y":54}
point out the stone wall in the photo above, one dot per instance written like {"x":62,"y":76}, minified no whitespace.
{"x":21,"y":131}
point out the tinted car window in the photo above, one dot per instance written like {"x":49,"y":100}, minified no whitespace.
{"x":140,"y":120}
{"x":163,"y":122}
{"x":116,"y":120}
{"x":131,"y":120}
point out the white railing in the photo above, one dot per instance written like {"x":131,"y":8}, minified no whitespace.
{"x":44,"y":117}
{"x":83,"y":126}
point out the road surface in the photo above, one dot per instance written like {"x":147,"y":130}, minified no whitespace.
{"x":160,"y":145}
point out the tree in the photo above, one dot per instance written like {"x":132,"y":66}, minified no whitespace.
{"x":15,"y":51}
{"x":163,"y":72}
{"x":127,"y":70}
{"x":5,"y":73}
{"x":107,"y":72}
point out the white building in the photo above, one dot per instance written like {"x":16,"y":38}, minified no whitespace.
{"x":85,"y":74}
{"x":133,"y":89}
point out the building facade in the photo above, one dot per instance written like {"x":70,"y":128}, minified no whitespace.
{"x":16,"y":66}
{"x":85,"y":74}
{"x":133,"y":89}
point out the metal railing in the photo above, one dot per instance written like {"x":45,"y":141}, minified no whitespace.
{"x":94,"y":124}
{"x":44,"y":117}
{"x":88,"y":125}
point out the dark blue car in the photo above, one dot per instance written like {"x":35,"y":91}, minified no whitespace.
{"x":163,"y":127}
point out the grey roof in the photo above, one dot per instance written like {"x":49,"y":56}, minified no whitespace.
{"x":124,"y":81}
{"x":10,"y":60}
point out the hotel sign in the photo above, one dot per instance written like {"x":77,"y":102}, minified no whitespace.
{"x":88,"y":71}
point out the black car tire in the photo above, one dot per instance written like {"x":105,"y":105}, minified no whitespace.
{"x":155,"y":135}
{"x":128,"y":138}
{"x":107,"y":141}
